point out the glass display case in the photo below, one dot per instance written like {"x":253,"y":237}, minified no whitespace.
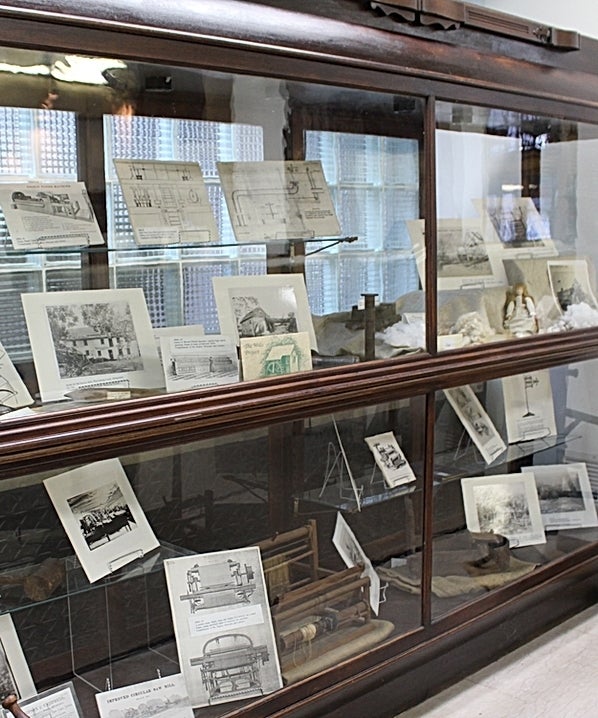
{"x":297,"y":342}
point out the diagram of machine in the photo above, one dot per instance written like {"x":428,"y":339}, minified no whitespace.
{"x":230,"y":666}
{"x":54,"y":204}
{"x":220,"y":584}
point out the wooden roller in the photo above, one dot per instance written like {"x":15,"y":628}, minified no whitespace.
{"x":10,"y":704}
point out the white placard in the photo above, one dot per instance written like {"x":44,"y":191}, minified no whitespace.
{"x":163,"y":697}
{"x":59,"y":701}
{"x":390,"y":459}
{"x":529,"y":407}
{"x":193,"y":362}
{"x":49,"y":216}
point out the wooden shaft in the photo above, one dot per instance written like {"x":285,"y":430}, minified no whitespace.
{"x":10,"y":704}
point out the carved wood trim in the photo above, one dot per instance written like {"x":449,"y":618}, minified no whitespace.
{"x":451,"y":14}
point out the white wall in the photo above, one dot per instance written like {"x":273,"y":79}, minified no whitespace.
{"x":580,"y":15}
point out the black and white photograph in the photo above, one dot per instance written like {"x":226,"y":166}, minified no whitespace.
{"x":476,"y":422}
{"x":529,"y":406}
{"x":390,"y":459}
{"x":223,"y":627}
{"x":505,"y":504}
{"x":101,"y":516}
{"x":464,"y":257}
{"x":570,"y":283}
{"x":565,"y":495}
{"x":59,"y":701}
{"x":102,"y":513}
{"x":15,"y":676}
{"x":49,"y":216}
{"x":256,"y":306}
{"x":91,"y":338}
{"x":517,"y":224}
{"x":164,"y":697}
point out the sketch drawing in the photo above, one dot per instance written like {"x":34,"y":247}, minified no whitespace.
{"x":222,"y":624}
{"x":278,"y":200}
{"x":164,"y":697}
{"x":167,"y":201}
{"x":390,"y":459}
{"x":263,"y":357}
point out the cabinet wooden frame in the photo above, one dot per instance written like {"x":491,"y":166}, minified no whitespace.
{"x":275,"y":39}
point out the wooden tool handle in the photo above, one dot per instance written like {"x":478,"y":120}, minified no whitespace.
{"x":10,"y":704}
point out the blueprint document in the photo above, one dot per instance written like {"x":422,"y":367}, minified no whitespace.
{"x":278,"y":200}
{"x":167,"y":202}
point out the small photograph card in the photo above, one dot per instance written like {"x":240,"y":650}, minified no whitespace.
{"x":529,"y":407}
{"x":222,"y":625}
{"x":505,"y":504}
{"x":60,"y":701}
{"x":167,"y":201}
{"x":275,"y":355}
{"x":565,"y":495}
{"x":91,"y":339}
{"x":49,"y":216}
{"x":101,"y":516}
{"x":15,"y":676}
{"x":476,"y":422}
{"x":161,"y":697}
{"x":200,"y":361}
{"x":390,"y":459}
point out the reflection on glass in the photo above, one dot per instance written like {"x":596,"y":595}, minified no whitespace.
{"x":523,"y":186}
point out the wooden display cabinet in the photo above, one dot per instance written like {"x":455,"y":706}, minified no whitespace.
{"x":458,"y":146}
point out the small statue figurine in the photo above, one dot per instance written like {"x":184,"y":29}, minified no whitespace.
{"x":520,"y":312}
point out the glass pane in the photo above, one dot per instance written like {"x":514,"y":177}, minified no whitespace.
{"x":515,"y":479}
{"x":215,"y":195}
{"x":515,"y":224}
{"x":324,"y":498}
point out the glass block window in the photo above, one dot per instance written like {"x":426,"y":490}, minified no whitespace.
{"x":35,"y":146}
{"x":374,"y":183}
{"x":177,"y":282}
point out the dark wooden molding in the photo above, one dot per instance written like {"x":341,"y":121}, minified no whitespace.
{"x":451,"y":14}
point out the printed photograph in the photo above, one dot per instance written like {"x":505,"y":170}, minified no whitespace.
{"x":464,"y":255}
{"x":565,"y":495}
{"x":90,"y":339}
{"x":268,"y":305}
{"x":505,"y":504}
{"x":517,"y":222}
{"x":96,"y":338}
{"x":103,"y":514}
{"x":200,"y":361}
{"x":7,"y":680}
{"x":570,"y":283}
